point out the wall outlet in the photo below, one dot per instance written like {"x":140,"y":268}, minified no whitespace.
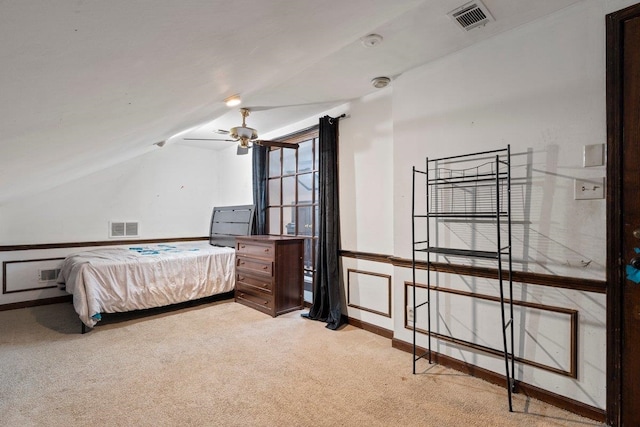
{"x":585,"y":189}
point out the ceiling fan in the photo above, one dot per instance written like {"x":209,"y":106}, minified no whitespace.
{"x":246,"y":137}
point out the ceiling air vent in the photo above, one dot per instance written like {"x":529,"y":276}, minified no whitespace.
{"x":471,"y":15}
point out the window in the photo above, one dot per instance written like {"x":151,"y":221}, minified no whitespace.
{"x":292,"y":197}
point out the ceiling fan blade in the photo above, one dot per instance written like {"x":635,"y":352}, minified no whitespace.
{"x":281,"y":144}
{"x":209,"y":139}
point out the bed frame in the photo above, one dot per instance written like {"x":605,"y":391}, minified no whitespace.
{"x":227,"y":222}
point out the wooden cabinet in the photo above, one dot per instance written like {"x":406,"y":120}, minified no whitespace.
{"x":269,"y":273}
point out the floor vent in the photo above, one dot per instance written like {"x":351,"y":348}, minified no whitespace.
{"x":48,"y":275}
{"x":471,"y":15}
{"x":123,"y":229}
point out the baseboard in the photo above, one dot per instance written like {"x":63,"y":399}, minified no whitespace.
{"x":546,"y":396}
{"x":37,"y":302}
{"x":371,"y":328}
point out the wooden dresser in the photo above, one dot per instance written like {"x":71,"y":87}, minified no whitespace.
{"x":269,"y":273}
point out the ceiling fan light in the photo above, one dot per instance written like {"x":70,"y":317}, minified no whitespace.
{"x":242,"y":132}
{"x":233,"y":101}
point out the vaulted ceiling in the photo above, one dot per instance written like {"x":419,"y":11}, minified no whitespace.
{"x":89,"y":83}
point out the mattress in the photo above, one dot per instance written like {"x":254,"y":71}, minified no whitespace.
{"x":122,"y":279}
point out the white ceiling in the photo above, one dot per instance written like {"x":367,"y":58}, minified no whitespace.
{"x":88,"y":83}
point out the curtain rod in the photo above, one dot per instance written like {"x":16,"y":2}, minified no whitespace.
{"x":341,"y":116}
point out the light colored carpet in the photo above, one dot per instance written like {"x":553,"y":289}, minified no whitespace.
{"x":223,"y":364}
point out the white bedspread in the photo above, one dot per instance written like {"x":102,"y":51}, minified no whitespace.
{"x":145,"y":276}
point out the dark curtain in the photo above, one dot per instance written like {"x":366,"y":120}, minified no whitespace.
{"x":259,"y":160}
{"x":327,"y":304}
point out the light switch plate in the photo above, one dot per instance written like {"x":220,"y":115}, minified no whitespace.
{"x":593,"y":155}
{"x":586,"y":189}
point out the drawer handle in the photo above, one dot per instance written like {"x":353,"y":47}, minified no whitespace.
{"x":266,"y":302}
{"x":266,"y":250}
{"x":242,"y":246}
{"x":265,"y":267}
{"x":241,"y":263}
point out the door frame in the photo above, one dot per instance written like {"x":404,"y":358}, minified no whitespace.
{"x":615,"y":256}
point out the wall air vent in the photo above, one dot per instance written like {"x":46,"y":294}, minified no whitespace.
{"x":123,"y":229}
{"x":48,"y":275}
{"x":471,"y":15}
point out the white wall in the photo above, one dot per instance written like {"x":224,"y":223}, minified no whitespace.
{"x":235,"y":178}
{"x":170,"y":191}
{"x":366,"y":209}
{"x":610,"y":6}
{"x":366,"y":175}
{"x":539,"y":88}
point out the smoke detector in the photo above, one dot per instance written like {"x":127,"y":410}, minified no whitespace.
{"x":380,"y":82}
{"x":371,"y":40}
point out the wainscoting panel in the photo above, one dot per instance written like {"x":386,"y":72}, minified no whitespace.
{"x":29,"y":275}
{"x":369,"y":291}
{"x":545,"y":338}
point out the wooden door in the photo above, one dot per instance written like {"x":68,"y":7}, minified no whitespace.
{"x":623,"y":217}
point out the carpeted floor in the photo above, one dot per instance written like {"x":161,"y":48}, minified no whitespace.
{"x":223,"y":364}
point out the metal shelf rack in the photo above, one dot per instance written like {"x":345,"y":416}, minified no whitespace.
{"x":468,"y":188}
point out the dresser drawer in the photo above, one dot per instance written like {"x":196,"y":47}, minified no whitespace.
{"x":254,"y":282}
{"x":257,"y":250}
{"x":254,"y":265}
{"x":255,"y":299}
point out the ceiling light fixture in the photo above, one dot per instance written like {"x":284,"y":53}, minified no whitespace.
{"x":371,"y":40}
{"x":233,"y":101}
{"x":380,"y":82}
{"x":243,"y":133}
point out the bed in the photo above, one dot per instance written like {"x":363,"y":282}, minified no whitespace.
{"x":141,"y":276}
